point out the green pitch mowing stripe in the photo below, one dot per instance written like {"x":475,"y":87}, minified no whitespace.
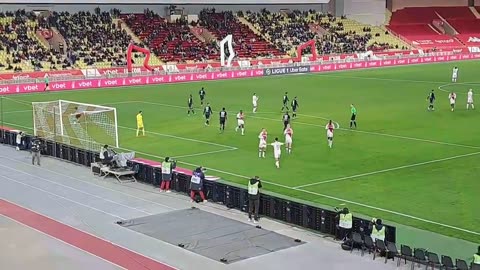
{"x":403,"y":163}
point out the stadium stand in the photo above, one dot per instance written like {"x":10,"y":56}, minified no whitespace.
{"x":93,"y":38}
{"x":99,"y":39}
{"x":337,"y":34}
{"x":466,"y":26}
{"x":372,"y":37}
{"x":172,"y":42}
{"x":20,"y":48}
{"x":454,"y":12}
{"x":284,"y":30}
{"x":418,"y":25}
{"x":247,"y":44}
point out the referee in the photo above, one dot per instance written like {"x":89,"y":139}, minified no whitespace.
{"x":353,"y":118}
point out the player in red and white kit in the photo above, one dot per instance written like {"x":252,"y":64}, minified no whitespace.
{"x":240,"y":122}
{"x":288,"y":132}
{"x":262,"y":146}
{"x":277,"y":151}
{"x":330,"y":127}
{"x":452,"y":97}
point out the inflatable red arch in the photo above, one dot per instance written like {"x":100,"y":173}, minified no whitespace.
{"x":132,"y":47}
{"x":307,"y":44}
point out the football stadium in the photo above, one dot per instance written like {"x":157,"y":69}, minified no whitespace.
{"x":264,"y":135}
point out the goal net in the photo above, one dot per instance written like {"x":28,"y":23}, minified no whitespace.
{"x":86,"y":126}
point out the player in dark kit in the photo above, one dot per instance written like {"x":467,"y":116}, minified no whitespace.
{"x":294,"y":107}
{"x":223,"y":120}
{"x":285,"y":102}
{"x":190,"y":105}
{"x":431,"y":100}
{"x":202,"y":94}
{"x":286,"y":120}
{"x":207,"y":112}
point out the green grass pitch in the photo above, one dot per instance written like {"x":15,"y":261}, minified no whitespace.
{"x":403,"y":163}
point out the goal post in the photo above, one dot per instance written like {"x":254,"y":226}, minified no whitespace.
{"x":87,"y":126}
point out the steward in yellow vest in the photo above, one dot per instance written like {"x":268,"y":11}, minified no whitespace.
{"x":254,"y":186}
{"x":345,"y":223}
{"x":378,"y":230}
{"x":476,"y":257}
{"x":167,"y":171}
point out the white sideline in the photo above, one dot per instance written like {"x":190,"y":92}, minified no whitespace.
{"x":320,"y":194}
{"x":327,"y":196}
{"x":292,"y":188}
{"x":385,"y":170}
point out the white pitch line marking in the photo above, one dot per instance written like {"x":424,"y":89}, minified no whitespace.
{"x":231,"y":148}
{"x":61,"y":197}
{"x":379,"y":134}
{"x":392,"y":212}
{"x":21,"y":111}
{"x":385,"y":170}
{"x":344,"y":129}
{"x":476,"y":84}
{"x":204,"y":153}
{"x":156,"y":133}
{"x":331,"y":197}
{"x":315,"y":193}
{"x":299,"y":190}
{"x":77,"y":190}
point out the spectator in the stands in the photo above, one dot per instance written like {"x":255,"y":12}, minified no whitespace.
{"x":93,"y":35}
{"x":17,"y":38}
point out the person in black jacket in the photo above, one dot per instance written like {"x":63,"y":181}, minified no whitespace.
{"x":254,"y":186}
{"x":196,"y":184}
{"x":36,"y":151}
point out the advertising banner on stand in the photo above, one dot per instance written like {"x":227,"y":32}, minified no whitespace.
{"x":286,"y":70}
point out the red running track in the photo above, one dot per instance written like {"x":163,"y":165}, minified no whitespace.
{"x":91,"y":244}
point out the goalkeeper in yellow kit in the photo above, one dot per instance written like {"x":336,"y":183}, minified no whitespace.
{"x":140,"y":123}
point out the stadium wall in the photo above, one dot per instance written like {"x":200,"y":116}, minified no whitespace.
{"x":162,"y":9}
{"x":399,"y":4}
{"x":365,"y":11}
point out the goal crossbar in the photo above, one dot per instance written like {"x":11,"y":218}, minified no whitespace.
{"x":86,"y":104}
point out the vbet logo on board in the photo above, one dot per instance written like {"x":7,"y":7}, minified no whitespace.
{"x":5,"y":89}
